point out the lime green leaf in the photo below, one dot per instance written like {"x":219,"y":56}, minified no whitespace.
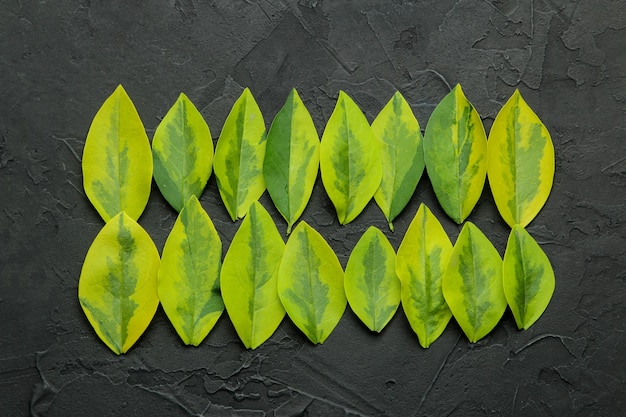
{"x":189,"y":275}
{"x":291,"y":159}
{"x":472,"y":283}
{"x":521,"y":162}
{"x":420,"y":265}
{"x":455,"y":151}
{"x":528,"y":278}
{"x":349,"y":159}
{"x":238,"y":162}
{"x":402,"y":156}
{"x":310,"y":283}
{"x":117,"y":162}
{"x":371,"y":284}
{"x":118,"y":283}
{"x":249,"y":278}
{"x":183,"y":153}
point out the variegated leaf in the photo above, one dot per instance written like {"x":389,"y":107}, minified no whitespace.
{"x":118,"y":283}
{"x":183,"y":153}
{"x":189,"y":274}
{"x":249,"y":278}
{"x":371,"y":284}
{"x":521,"y":162}
{"x":310,"y":283}
{"x":402,"y":156}
{"x":239,"y":154}
{"x":349,"y":160}
{"x":455,"y":151}
{"x":291,"y":159}
{"x":117,"y":162}
{"x":528,"y":277}
{"x":472,"y":283}
{"x":420,"y":265}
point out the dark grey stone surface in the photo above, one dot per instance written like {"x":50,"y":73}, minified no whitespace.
{"x":59,"y":60}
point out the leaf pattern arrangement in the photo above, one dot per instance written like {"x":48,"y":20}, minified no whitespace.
{"x":262,"y":278}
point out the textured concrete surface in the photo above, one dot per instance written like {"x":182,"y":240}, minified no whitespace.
{"x":59,"y":60}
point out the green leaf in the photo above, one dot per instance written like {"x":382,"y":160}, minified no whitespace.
{"x":310,"y":283}
{"x":402,"y":156}
{"x":349,"y":159}
{"x":249,"y":278}
{"x":183,"y":153}
{"x":521,"y":162}
{"x":117,"y":288}
{"x":528,"y":278}
{"x":189,"y":275}
{"x":420,"y":265}
{"x":291,"y":159}
{"x":472,"y":283}
{"x":371,"y":284}
{"x":239,"y":154}
{"x":455,"y":151}
{"x":117,"y":162}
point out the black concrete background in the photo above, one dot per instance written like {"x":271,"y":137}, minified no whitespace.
{"x":59,"y":60}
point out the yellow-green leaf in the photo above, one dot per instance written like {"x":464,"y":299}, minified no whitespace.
{"x":183,"y":153}
{"x":472,"y":283}
{"x":249,"y":278}
{"x":117,"y":162}
{"x":455,"y":151}
{"x":521,"y":162}
{"x":371,"y":285}
{"x":349,"y":159}
{"x":420,"y":265}
{"x":189,"y":275}
{"x":291,"y":159}
{"x":402,"y":156}
{"x":118,"y":283}
{"x":310,"y":283}
{"x":528,"y":277}
{"x":238,"y":162}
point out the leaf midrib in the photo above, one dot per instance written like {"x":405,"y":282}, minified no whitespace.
{"x":348,"y":136}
